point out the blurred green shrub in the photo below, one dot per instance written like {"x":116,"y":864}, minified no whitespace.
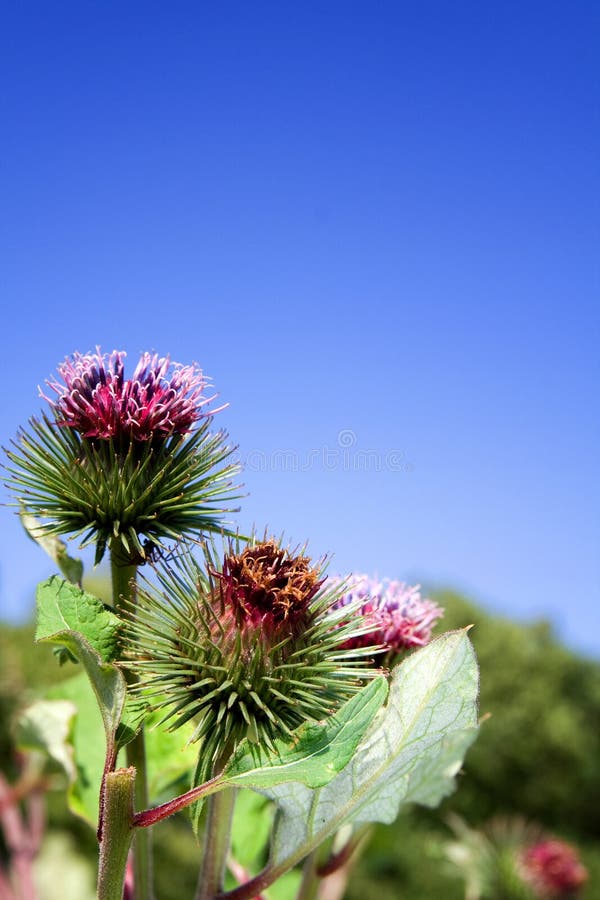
{"x":539,"y":751}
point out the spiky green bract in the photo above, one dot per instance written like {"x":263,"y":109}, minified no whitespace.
{"x":127,"y":497}
{"x":198,"y":659}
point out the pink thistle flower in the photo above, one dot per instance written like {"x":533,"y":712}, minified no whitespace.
{"x":160,"y":399}
{"x":401,"y":619}
{"x":552,"y":868}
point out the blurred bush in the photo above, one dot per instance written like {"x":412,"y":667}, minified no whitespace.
{"x":538,"y":753}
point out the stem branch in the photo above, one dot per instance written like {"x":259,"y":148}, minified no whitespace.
{"x":158,"y":813}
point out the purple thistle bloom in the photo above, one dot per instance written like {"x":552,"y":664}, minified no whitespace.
{"x":126,"y":463}
{"x":401,"y":618}
{"x":161,"y":399}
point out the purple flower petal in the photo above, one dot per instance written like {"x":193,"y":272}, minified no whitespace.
{"x":161,"y":398}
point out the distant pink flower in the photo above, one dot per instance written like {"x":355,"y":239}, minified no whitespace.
{"x":401,"y":618}
{"x":97,"y":401}
{"x":553,"y":869}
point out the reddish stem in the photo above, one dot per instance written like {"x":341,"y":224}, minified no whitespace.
{"x":22,"y":837}
{"x":151,"y":816}
{"x":242,"y":874}
{"x":339,"y":859}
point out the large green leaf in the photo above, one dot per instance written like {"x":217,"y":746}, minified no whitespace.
{"x":318,"y":751}
{"x":72,"y":618}
{"x":411,"y":753}
{"x":315,"y":754}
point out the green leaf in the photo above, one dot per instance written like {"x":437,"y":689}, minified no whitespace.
{"x":170,"y":756}
{"x":88,"y":746}
{"x":56,"y":549}
{"x":411,"y":753}
{"x":47,"y":726}
{"x":74,"y":619}
{"x":252,"y":820}
{"x":318,"y":752}
{"x":168,"y":759}
{"x":64,"y":607}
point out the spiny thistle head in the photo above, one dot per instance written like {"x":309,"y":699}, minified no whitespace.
{"x":401,"y":619}
{"x":118,"y":461}
{"x":249,"y":647}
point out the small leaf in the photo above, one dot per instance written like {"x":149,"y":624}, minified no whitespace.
{"x":63,"y":607}
{"x":411,"y":753}
{"x":56,"y":549}
{"x":47,"y":726}
{"x":318,"y":752}
{"x":74,"y":619}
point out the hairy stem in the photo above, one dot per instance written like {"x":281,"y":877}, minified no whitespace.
{"x":216,"y":843}
{"x":117,"y":833}
{"x":123,"y":589}
{"x":148,"y":817}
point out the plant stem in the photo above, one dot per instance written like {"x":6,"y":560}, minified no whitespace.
{"x":347,"y":854}
{"x":310,"y":879}
{"x":271,"y":873}
{"x":123,"y":589}
{"x":148,"y":817}
{"x":117,"y":833}
{"x":216,"y":843}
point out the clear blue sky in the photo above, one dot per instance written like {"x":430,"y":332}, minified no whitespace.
{"x":371,"y":223}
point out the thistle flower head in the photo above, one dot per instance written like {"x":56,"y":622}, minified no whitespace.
{"x":119,"y":462}
{"x":552,"y":868}
{"x":268,"y":587}
{"x":400,"y":617}
{"x":247,"y":646}
{"x":97,"y":401}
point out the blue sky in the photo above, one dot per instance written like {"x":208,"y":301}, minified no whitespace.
{"x":376,"y":226}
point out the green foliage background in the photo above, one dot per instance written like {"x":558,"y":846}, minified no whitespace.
{"x":538,"y":755}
